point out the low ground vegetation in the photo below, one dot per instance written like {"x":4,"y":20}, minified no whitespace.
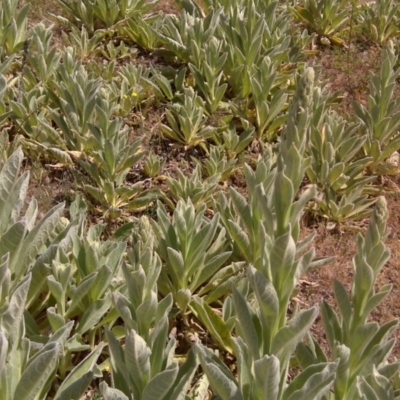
{"x":166,"y":171}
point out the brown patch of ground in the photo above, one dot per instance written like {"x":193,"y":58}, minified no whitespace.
{"x":49,"y":186}
{"x":167,"y":6}
{"x":41,"y":10}
{"x":348,"y":71}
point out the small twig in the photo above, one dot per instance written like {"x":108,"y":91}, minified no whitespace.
{"x":24,"y":58}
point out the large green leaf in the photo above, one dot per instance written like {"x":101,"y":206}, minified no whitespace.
{"x":226,"y":388}
{"x":75,"y":384}
{"x":312,"y":383}
{"x":267,"y":372}
{"x":218,"y":329}
{"x":160,"y":384}
{"x":288,"y":336}
{"x":37,"y":373}
{"x":137,"y":360}
{"x":245,"y":326}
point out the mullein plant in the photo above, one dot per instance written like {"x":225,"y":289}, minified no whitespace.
{"x":27,"y":367}
{"x":112,"y":159}
{"x":338,"y":168}
{"x":199,"y":191}
{"x":361,"y":346}
{"x":380,"y":120}
{"x":100,"y":14}
{"x":145,"y":368}
{"x":13,"y":26}
{"x":325,"y":17}
{"x":4,"y":110}
{"x":249,"y":37}
{"x":266,"y":230}
{"x":380,"y":20}
{"x":247,"y":222}
{"x":209,"y":75}
{"x":73,"y":101}
{"x":194,"y":251}
{"x":143,"y":30}
{"x":43,"y":58}
{"x":29,"y":360}
{"x":185,"y":36}
{"x":28,"y":102}
{"x":187,"y":120}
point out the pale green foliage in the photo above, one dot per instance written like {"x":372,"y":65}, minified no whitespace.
{"x":376,"y":386}
{"x":218,"y":164}
{"x":380,"y":120}
{"x":185,"y":35}
{"x":113,"y":52}
{"x":74,"y":98}
{"x":145,"y":368}
{"x":264,"y":338}
{"x":153,"y":165}
{"x":83,"y":303}
{"x":27,"y":376}
{"x":96,"y":264}
{"x":26,"y":94}
{"x":42,"y":57}
{"x":193,"y":249}
{"x":83,"y":44}
{"x":28,"y":364}
{"x":5,"y":61}
{"x":250,"y":36}
{"x":268,"y":100}
{"x":198,"y":190}
{"x":187,"y":120}
{"x":232,"y":142}
{"x":208,"y":75}
{"x":112,"y":160}
{"x":144,"y":30}
{"x":22,"y":239}
{"x":136,"y":301}
{"x":325,"y":17}
{"x":161,"y":85}
{"x":5,"y":147}
{"x":362,"y":347}
{"x":380,"y":20}
{"x":4,"y":112}
{"x":132,"y":87}
{"x":263,"y":375}
{"x":103,"y":13}
{"x":272,"y":211}
{"x":28,"y":113}
{"x":13,"y":26}
{"x":337,"y":168}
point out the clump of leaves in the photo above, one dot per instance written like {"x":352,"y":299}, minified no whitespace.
{"x":109,"y":165}
{"x":380,"y":20}
{"x":380,"y":120}
{"x":194,"y":188}
{"x":13,"y":26}
{"x":187,"y":122}
{"x":325,"y":17}
{"x":99,"y":14}
{"x":194,"y":250}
